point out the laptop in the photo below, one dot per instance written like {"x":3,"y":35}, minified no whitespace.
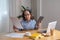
{"x":51,"y":25}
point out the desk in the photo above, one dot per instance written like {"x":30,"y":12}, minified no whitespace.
{"x":56,"y":36}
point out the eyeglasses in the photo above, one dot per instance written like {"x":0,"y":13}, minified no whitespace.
{"x":26,"y":14}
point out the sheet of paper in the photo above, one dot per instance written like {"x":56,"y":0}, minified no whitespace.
{"x":15,"y":35}
{"x":16,"y":22}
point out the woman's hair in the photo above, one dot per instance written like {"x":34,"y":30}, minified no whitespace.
{"x":23,"y":15}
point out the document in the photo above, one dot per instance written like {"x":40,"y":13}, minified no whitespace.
{"x":15,"y":35}
{"x":16,"y":22}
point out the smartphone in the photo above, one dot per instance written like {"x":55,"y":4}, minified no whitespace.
{"x":40,"y":19}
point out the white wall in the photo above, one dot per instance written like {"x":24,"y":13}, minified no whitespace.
{"x":34,"y":8}
{"x":50,"y":9}
{"x":38,"y":8}
{"x":51,"y":12}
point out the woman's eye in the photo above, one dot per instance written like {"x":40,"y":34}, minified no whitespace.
{"x":27,"y":14}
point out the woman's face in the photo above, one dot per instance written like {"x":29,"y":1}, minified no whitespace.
{"x":27,"y":15}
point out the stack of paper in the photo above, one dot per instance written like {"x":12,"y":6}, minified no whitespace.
{"x":15,"y":35}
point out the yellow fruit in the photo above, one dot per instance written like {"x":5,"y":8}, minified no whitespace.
{"x":36,"y":35}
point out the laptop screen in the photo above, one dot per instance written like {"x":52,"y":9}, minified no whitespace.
{"x":51,"y":25}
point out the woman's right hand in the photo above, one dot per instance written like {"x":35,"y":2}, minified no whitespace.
{"x":15,"y":29}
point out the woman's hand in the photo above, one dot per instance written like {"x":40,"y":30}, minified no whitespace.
{"x":15,"y":29}
{"x":38,"y":25}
